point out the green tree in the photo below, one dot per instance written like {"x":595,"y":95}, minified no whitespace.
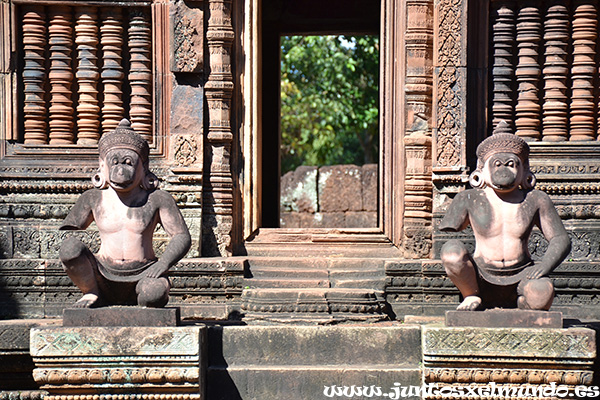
{"x":329,"y":100}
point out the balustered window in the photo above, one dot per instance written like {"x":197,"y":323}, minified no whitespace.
{"x":543,"y":66}
{"x":81,"y":69}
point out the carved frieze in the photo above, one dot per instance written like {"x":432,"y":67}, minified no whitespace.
{"x":449,"y":128}
{"x":187,"y":38}
{"x":161,"y":362}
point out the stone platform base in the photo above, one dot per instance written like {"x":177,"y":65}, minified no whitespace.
{"x":505,"y":318}
{"x":507,"y":358}
{"x":312,"y":305}
{"x":121,"y":316}
{"x":100,"y":362}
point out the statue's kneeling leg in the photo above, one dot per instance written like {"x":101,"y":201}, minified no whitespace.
{"x":153,"y":292}
{"x":461,"y":271}
{"x":78,"y":262}
{"x":535,"y":294}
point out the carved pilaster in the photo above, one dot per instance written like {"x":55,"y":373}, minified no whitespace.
{"x":88,"y":111}
{"x":140,"y":72}
{"x":34,"y":74}
{"x":556,"y":69}
{"x":218,"y":217}
{"x":450,"y":85}
{"x":418,"y":91}
{"x":583,"y":70}
{"x":503,"y":28}
{"x":528,"y":108}
{"x":418,"y":198}
{"x":61,"y":75}
{"x":111,"y":39}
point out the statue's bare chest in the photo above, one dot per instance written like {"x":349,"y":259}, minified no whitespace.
{"x":113,"y":216}
{"x":493,"y":217}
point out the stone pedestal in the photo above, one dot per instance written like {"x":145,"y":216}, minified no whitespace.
{"x":505,"y":318}
{"x":121,"y":316}
{"x":132,"y":362}
{"x":507,"y":358}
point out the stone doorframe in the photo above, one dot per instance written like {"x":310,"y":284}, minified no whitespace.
{"x":405,"y":185}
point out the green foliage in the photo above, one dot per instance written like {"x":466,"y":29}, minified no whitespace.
{"x":329,"y":100}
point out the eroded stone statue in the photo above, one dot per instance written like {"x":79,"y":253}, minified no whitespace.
{"x":502,"y":209}
{"x":126,"y":206}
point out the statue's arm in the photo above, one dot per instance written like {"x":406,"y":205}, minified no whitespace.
{"x":457,"y":214}
{"x":175,"y":226}
{"x":81,"y":216}
{"x":559,"y":243}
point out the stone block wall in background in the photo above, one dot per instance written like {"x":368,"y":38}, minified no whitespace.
{"x":336,"y":196}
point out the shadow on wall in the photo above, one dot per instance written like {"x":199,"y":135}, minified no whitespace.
{"x":336,"y":196}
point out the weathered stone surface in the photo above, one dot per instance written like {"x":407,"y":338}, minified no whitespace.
{"x":505,"y":318}
{"x":276,"y":362}
{"x":121,"y":316}
{"x":187,"y":110}
{"x":370,"y":180}
{"x":289,"y":220}
{"x":299,"y":190}
{"x":323,"y":220}
{"x":338,"y":188}
{"x":120,"y":360}
{"x":361,"y":219}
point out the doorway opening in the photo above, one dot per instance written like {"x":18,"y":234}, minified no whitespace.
{"x":320,"y":114}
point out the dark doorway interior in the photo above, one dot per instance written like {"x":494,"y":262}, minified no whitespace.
{"x":298,"y":17}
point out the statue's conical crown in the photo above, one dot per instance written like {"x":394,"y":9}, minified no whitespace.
{"x":503,"y":141}
{"x":124,"y":137}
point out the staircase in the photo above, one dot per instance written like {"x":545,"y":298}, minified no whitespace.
{"x":314,"y":290}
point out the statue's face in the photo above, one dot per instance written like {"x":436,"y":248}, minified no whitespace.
{"x":123,"y":169}
{"x":504,"y":172}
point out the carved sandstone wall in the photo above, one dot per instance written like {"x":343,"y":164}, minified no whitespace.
{"x":337,"y":196}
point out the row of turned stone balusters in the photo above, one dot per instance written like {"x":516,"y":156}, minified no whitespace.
{"x":73,"y":38}
{"x":549,"y":49}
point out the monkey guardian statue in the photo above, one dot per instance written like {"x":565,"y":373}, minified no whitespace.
{"x":126,"y":206}
{"x":502,"y":209}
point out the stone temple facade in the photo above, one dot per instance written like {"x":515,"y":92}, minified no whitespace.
{"x":200,"y":81}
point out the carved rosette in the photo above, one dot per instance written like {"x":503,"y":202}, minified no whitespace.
{"x":556,"y":69}
{"x":218,"y":210}
{"x":503,"y":28}
{"x":140,"y":72}
{"x":61,"y":75}
{"x":528,"y":108}
{"x":583,"y":70}
{"x":111,"y":39}
{"x":88,"y":110}
{"x":34,"y":74}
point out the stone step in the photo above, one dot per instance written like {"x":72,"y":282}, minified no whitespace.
{"x":288,"y":263}
{"x":256,"y":283}
{"x":376,"y":283}
{"x":298,"y":362}
{"x":284,"y":272}
{"x":312,"y":305}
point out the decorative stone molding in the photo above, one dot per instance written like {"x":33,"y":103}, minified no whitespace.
{"x":159,"y":363}
{"x":218,"y":189}
{"x":449,"y":86}
{"x":508,"y":357}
